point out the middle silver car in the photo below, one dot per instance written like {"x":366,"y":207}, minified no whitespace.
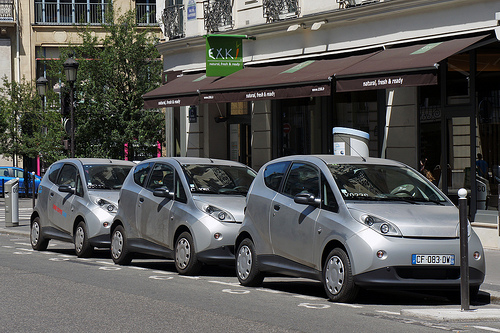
{"x":187,"y":209}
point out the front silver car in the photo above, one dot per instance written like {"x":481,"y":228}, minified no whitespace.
{"x":351,"y":223}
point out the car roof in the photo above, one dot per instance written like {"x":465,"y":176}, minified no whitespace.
{"x":86,"y":161}
{"x":195,"y":160}
{"x":338,"y":159}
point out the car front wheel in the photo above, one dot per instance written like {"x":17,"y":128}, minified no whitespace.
{"x":38,"y":242}
{"x":186,"y":261}
{"x":246,"y":265}
{"x":82,"y":245}
{"x":119,"y":251}
{"x":337,"y":277}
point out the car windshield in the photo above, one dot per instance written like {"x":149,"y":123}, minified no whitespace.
{"x":105,"y":177}
{"x":218,"y":179}
{"x":383,"y":183}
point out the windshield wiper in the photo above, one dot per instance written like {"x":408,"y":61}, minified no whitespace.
{"x":415,"y":200}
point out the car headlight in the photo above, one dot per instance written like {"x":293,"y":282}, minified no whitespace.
{"x":106,"y":205}
{"x":381,"y":226}
{"x":217,"y":213}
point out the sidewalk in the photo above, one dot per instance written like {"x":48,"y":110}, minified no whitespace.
{"x":489,"y":293}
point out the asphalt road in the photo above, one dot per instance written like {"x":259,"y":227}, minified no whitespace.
{"x":54,"y":291}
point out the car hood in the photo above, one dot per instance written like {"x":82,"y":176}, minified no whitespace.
{"x":234,"y":204}
{"x":109,"y":195}
{"x":414,"y":220}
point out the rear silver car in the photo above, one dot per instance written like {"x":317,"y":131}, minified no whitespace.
{"x":352,"y":223}
{"x":77,"y":200}
{"x":187,"y":209}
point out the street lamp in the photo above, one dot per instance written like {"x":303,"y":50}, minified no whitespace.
{"x":41,"y":86}
{"x":70,"y":69}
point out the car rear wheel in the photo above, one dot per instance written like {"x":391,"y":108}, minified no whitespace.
{"x":38,"y":242}
{"x":186,"y":261}
{"x":119,"y":251}
{"x":247,"y":269}
{"x":82,"y":245}
{"x":337,"y":277}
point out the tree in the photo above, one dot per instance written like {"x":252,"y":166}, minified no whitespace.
{"x":24,"y":129}
{"x":113,"y":74}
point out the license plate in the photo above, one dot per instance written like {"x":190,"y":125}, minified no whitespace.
{"x":433,"y":259}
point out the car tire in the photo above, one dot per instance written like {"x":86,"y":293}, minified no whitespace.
{"x":38,"y":242}
{"x":186,"y":261}
{"x":337,"y":277}
{"x":247,"y":269}
{"x":83,"y":248}
{"x":119,"y":251}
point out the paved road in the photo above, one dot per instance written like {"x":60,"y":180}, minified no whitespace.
{"x":54,"y":291}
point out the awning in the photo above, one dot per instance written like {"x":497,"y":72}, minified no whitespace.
{"x":309,"y":78}
{"x":413,"y":65}
{"x":181,"y":91}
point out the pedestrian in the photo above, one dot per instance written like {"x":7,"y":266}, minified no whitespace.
{"x":481,"y":166}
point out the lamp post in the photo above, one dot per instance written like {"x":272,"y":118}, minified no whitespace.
{"x":70,"y":69}
{"x":41,"y":87}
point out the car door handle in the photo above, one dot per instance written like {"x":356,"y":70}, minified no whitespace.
{"x":277,"y":207}
{"x":141,"y":200}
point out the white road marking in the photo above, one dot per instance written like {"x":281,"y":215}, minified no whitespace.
{"x":309,"y":298}
{"x":158,"y":277}
{"x":59,"y":259}
{"x":108,"y":268}
{"x":314,"y":306}
{"x":350,"y":305}
{"x":162,"y":272}
{"x":189,"y":277}
{"x":389,"y":312}
{"x":22,"y":252}
{"x":238,"y":292}
{"x":234,"y":284}
{"x":105,"y":262}
{"x":486,"y":328}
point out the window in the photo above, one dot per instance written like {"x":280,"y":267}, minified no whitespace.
{"x":180,"y":194}
{"x":303,"y":178}
{"x":69,"y":12}
{"x":68,"y":175}
{"x":274,"y":174}
{"x":53,"y":172}
{"x":161,"y":176}
{"x":141,"y":173}
{"x":329,"y":202}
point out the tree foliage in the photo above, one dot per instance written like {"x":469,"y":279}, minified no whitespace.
{"x":113,"y":74}
{"x":26,"y":128}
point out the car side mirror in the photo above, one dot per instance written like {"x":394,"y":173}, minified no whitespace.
{"x":306,"y":199}
{"x":66,"y":189}
{"x":163,"y":192}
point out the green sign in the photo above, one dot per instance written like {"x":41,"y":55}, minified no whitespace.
{"x":224,"y":54}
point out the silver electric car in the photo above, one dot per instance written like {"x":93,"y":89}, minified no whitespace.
{"x":77,"y":200}
{"x":187,"y":209}
{"x":352,"y":223}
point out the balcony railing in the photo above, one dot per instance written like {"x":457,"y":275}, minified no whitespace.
{"x":278,"y":10}
{"x":173,"y":20}
{"x":218,"y":15}
{"x":58,"y":13}
{"x":6,"y":10}
{"x":146,"y":13}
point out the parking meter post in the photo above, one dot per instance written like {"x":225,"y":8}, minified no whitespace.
{"x":11,"y":191}
{"x":33,"y":178}
{"x":464,"y":251}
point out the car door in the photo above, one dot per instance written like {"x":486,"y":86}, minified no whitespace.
{"x":293,"y":225}
{"x":62,"y":208}
{"x":154,"y":211}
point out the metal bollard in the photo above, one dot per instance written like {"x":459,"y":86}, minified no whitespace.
{"x":464,"y":251}
{"x":11,"y":190}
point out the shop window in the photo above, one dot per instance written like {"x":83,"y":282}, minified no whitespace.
{"x":359,"y":110}
{"x":457,"y":79}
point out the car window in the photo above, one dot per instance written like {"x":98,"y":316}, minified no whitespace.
{"x":180,"y":194}
{"x":274,"y":174}
{"x":54,"y":170}
{"x":218,"y":179}
{"x":383,"y":182}
{"x":79,"y":187}
{"x":328,"y":201}
{"x":4,"y":172}
{"x":302,"y":178}
{"x":18,"y":173}
{"x":105,"y":176}
{"x":141,"y":173}
{"x":162,"y":175}
{"x":68,"y":175}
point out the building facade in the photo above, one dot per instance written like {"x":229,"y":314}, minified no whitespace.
{"x":420,"y":76}
{"x":32,"y":31}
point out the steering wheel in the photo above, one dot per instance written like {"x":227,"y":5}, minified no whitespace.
{"x":405,"y":189}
